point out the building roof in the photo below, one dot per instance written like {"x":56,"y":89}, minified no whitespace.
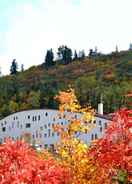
{"x":105,"y":116}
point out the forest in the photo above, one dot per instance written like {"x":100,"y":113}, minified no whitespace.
{"x":106,"y":77}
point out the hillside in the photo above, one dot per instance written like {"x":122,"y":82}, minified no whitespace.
{"x":106,"y":75}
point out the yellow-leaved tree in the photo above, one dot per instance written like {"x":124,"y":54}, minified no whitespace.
{"x":71,"y":150}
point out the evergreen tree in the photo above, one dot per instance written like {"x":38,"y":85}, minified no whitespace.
{"x":22,"y":68}
{"x":14,"y":67}
{"x":90,"y":52}
{"x":49,"y":58}
{"x":0,"y":72}
{"x":75,"y":55}
{"x":81,"y":55}
{"x":65,"y":54}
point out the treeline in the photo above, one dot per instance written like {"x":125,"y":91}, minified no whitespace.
{"x":109,"y":76}
{"x":64,"y":54}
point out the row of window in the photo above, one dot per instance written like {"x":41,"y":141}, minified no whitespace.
{"x":105,"y":124}
{"x":4,"y":123}
{"x":52,"y":134}
{"x":28,"y":125}
{"x":34,"y":118}
{"x":51,"y":146}
{"x":45,"y":135}
{"x":94,"y":136}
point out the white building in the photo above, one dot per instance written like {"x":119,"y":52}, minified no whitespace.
{"x":39,"y":124}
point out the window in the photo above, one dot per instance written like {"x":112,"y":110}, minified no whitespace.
{"x":13,"y":125}
{"x":33,"y":118}
{"x":49,"y":124}
{"x":18,"y":124}
{"x":3,"y":129}
{"x":94,"y":121}
{"x":21,"y":126}
{"x":53,"y":119}
{"x":45,"y":126}
{"x":75,"y":116}
{"x":40,"y":135}
{"x":45,"y":135}
{"x":46,"y":145}
{"x":105,"y":125}
{"x":46,"y":114}
{"x":101,"y":129}
{"x":52,"y":146}
{"x":96,"y":136}
{"x":5,"y":122}
{"x":14,"y":118}
{"x":49,"y":131}
{"x":100,"y":123}
{"x":92,"y":137}
{"x":58,"y":134}
{"x":0,"y":140}
{"x":33,"y":136}
{"x":39,"y":117}
{"x":61,"y":123}
{"x":4,"y":139}
{"x":53,"y":134}
{"x":28,"y":125}
{"x":86,"y":131}
{"x":41,"y":128}
{"x":28,"y":117}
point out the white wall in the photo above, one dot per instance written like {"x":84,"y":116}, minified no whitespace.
{"x":15,"y":125}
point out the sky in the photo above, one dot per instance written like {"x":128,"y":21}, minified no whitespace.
{"x":29,"y":27}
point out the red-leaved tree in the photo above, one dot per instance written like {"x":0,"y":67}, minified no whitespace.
{"x":20,"y":164}
{"x":114,"y":151}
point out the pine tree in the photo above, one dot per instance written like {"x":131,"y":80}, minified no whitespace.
{"x":65,"y":54}
{"x":14,"y":67}
{"x":81,"y":55}
{"x":90,"y":52}
{"x":75,"y":55}
{"x":22,"y":68}
{"x":49,"y":58}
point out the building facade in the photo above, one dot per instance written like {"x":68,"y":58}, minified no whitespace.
{"x":39,"y":123}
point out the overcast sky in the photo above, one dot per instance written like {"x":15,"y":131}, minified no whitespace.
{"x":29,"y":27}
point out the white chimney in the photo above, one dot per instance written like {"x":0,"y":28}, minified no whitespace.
{"x":100,"y":108}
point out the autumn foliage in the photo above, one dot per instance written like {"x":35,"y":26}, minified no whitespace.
{"x":20,"y":164}
{"x":106,"y":161}
{"x":114,"y":151}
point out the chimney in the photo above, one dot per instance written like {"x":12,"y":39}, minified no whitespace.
{"x":100,"y":108}
{"x":100,"y":105}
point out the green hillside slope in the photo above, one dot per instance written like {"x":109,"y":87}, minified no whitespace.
{"x":106,"y":75}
